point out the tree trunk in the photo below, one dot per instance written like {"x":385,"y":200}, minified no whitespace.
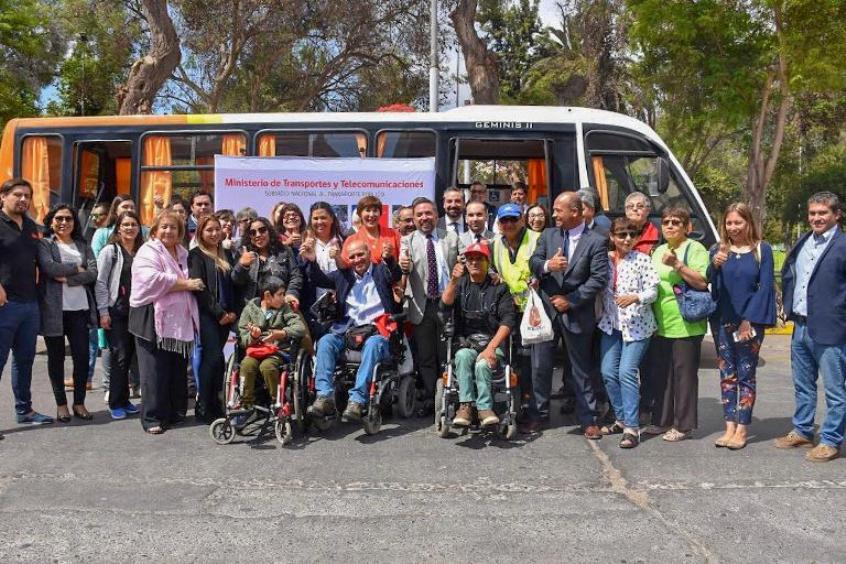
{"x":481,"y":64}
{"x":762,"y":166}
{"x":151,"y":71}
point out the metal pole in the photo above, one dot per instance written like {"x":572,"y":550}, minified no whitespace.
{"x":433,"y":56}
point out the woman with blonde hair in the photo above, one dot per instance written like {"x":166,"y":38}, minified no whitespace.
{"x":743,"y":285}
{"x":163,"y":318}
{"x":212,"y":264}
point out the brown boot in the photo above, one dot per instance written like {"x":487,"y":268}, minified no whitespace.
{"x":823,"y":453}
{"x":792,"y":440}
{"x":488,"y":418}
{"x":352,"y":413}
{"x":464,"y":415}
{"x":322,"y":406}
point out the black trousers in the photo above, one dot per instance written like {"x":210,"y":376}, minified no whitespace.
{"x":75,"y":328}
{"x":581,"y":362}
{"x":431,"y":351}
{"x":213,"y":337}
{"x":121,"y":355}
{"x":164,"y":376}
{"x":674,"y":373}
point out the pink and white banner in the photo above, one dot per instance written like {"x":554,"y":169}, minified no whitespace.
{"x":261,"y":182}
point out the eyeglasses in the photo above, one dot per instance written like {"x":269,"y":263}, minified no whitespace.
{"x":63,"y":219}
{"x":626,"y":234}
{"x":671,"y":221}
{"x":257,"y":232}
{"x":635,"y":207}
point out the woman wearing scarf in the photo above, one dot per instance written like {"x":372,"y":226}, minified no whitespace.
{"x":164,"y":319}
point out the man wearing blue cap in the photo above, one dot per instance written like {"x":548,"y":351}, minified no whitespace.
{"x":511,"y":254}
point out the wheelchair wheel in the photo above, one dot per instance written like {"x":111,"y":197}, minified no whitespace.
{"x":372,"y":422}
{"x":231,"y":368}
{"x":299,"y":389}
{"x":441,"y":425}
{"x":407,"y":397}
{"x":221,"y":431}
{"x":284,"y":431}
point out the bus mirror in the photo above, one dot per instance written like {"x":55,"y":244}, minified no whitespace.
{"x":663,"y":175}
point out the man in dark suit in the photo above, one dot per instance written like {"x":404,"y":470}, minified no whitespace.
{"x":571,"y":263}
{"x":814,"y":293}
{"x":453,"y":219}
{"x":598,"y":222}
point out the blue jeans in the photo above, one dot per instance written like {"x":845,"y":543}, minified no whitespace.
{"x":19,"y":322}
{"x":808,"y":359}
{"x":330,"y":347}
{"x":620,"y":362}
{"x":93,"y":350}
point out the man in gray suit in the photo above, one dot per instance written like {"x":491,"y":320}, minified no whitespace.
{"x":427,"y":258}
{"x":571,"y":263}
{"x":476,"y":219}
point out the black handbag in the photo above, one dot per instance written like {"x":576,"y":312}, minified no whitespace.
{"x":355,"y":337}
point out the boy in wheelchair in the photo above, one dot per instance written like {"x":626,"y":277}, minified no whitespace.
{"x":483,"y":313}
{"x":364,"y":294}
{"x":267,"y":327}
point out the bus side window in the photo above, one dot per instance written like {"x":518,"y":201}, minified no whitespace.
{"x":41,"y":165}
{"x":312,"y":144}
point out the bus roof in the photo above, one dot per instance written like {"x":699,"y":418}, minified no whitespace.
{"x":491,"y":115}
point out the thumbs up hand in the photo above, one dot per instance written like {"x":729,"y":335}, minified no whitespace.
{"x":558,"y":262}
{"x":721,"y":256}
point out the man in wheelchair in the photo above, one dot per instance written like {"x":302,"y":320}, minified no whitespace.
{"x":363,"y":295}
{"x":267,"y":327}
{"x":483,"y":313}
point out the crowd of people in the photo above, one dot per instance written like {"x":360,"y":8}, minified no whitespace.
{"x":629,"y":302}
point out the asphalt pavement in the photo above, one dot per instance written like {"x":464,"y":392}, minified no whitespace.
{"x":105,"y":491}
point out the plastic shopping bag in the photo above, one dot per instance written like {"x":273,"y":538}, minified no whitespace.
{"x":535,"y":326}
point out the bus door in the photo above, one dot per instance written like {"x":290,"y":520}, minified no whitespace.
{"x":102,"y":170}
{"x":545,"y":163}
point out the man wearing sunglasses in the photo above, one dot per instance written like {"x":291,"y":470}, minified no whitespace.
{"x":571,"y":263}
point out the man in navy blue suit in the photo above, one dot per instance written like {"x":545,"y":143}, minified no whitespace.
{"x":571,"y":263}
{"x":814,"y":293}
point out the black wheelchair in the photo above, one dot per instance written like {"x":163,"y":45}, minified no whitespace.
{"x":504,"y":389}
{"x":265,"y":415}
{"x":393,"y":382}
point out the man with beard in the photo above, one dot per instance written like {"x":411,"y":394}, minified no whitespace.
{"x":453,"y":219}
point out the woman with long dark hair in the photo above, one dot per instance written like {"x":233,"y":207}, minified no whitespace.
{"x":212,"y":264}
{"x":293,"y":227}
{"x":68,"y":309}
{"x":263,"y":256}
{"x":113,"y":288}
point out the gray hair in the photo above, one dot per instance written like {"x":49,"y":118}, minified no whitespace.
{"x":588,"y":198}
{"x":246,"y":213}
{"x":828,"y":199}
{"x":639,"y":197}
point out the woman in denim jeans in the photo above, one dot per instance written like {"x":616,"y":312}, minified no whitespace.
{"x":743,"y":283}
{"x":627,"y":323}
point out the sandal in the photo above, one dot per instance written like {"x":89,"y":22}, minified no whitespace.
{"x":614,"y":429}
{"x":157,"y":430}
{"x":674,"y":435}
{"x":629,"y":440}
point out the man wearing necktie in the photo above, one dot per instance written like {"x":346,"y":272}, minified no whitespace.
{"x":427,"y":257}
{"x":571,"y":263}
{"x":476,"y":220}
{"x":453,"y":219}
{"x":814,"y":293}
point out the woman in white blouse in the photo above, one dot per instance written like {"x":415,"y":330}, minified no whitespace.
{"x":627,"y":324}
